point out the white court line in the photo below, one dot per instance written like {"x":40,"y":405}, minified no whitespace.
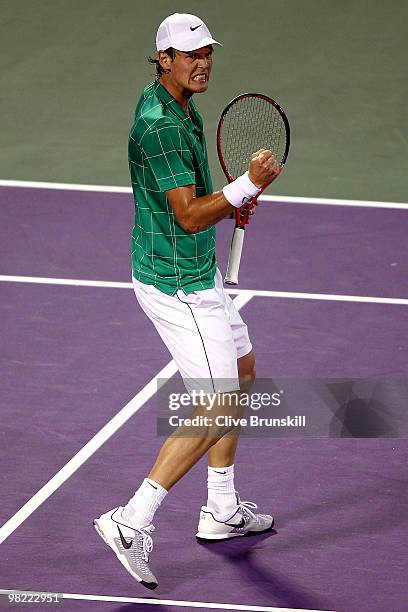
{"x":366,"y":299}
{"x":333,"y":202}
{"x":94,"y":443}
{"x":64,"y":281}
{"x":190,"y":604}
{"x":253,"y":292}
{"x":65,"y":186}
{"x":86,"y":451}
{"x":266,"y":198}
{"x":172,"y":602}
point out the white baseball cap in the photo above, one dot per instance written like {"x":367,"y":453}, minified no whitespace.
{"x":183,"y":32}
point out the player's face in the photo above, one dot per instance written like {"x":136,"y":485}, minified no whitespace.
{"x":190,"y":70}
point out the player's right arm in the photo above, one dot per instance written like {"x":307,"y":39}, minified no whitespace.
{"x":197,"y":214}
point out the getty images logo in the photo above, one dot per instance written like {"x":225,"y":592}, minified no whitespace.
{"x":263,"y":400}
{"x":254,"y":401}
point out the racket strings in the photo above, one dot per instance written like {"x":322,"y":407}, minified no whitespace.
{"x":252,"y":123}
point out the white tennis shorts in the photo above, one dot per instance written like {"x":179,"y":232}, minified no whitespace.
{"x":203,"y":331}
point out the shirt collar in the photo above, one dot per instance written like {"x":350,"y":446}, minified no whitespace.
{"x":167,"y":99}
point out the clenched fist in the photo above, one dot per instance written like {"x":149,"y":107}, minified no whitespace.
{"x":263,"y":167}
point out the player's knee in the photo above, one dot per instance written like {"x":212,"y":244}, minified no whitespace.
{"x":226,"y":414}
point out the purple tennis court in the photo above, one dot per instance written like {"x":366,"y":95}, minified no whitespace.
{"x":74,"y":355}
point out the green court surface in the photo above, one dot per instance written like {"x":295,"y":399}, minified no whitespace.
{"x":72,"y":71}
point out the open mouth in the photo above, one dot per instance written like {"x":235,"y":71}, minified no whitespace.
{"x":200,"y":78}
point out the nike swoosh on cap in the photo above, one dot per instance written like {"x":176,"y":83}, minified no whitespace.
{"x":125,"y":544}
{"x":199,"y":26}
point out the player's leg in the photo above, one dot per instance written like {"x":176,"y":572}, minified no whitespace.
{"x":221,"y":495}
{"x":222,"y":453}
{"x":196,"y":330}
{"x":224,"y":508}
{"x":187,"y":445}
{"x":225,"y":516}
{"x":128,"y":530}
{"x":179,"y":453}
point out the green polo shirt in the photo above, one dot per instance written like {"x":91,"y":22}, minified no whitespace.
{"x":166,"y":150}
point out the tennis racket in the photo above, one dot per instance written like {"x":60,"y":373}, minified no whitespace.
{"x":248,"y":123}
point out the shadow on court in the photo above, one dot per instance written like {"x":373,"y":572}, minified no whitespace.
{"x":240,"y":553}
{"x":141,"y":607}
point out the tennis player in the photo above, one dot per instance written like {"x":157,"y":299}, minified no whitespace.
{"x":179,"y":287}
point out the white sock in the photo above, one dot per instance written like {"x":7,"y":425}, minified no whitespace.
{"x":139,"y":511}
{"x":221,"y":491}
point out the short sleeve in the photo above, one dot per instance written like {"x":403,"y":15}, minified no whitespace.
{"x":169,"y":156}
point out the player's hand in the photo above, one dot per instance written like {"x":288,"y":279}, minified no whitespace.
{"x":263,"y":167}
{"x":233,"y":214}
{"x":251,"y":211}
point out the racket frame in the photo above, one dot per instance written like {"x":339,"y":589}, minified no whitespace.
{"x":242,"y":213}
{"x":280,"y":110}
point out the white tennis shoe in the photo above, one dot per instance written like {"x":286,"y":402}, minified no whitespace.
{"x":241,"y":522}
{"x":131,"y":546}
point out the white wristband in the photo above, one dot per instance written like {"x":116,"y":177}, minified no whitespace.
{"x":240,"y":191}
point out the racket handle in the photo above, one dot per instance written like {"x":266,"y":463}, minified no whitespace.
{"x":234,"y":259}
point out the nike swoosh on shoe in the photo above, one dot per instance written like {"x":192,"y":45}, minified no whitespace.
{"x":125,"y":543}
